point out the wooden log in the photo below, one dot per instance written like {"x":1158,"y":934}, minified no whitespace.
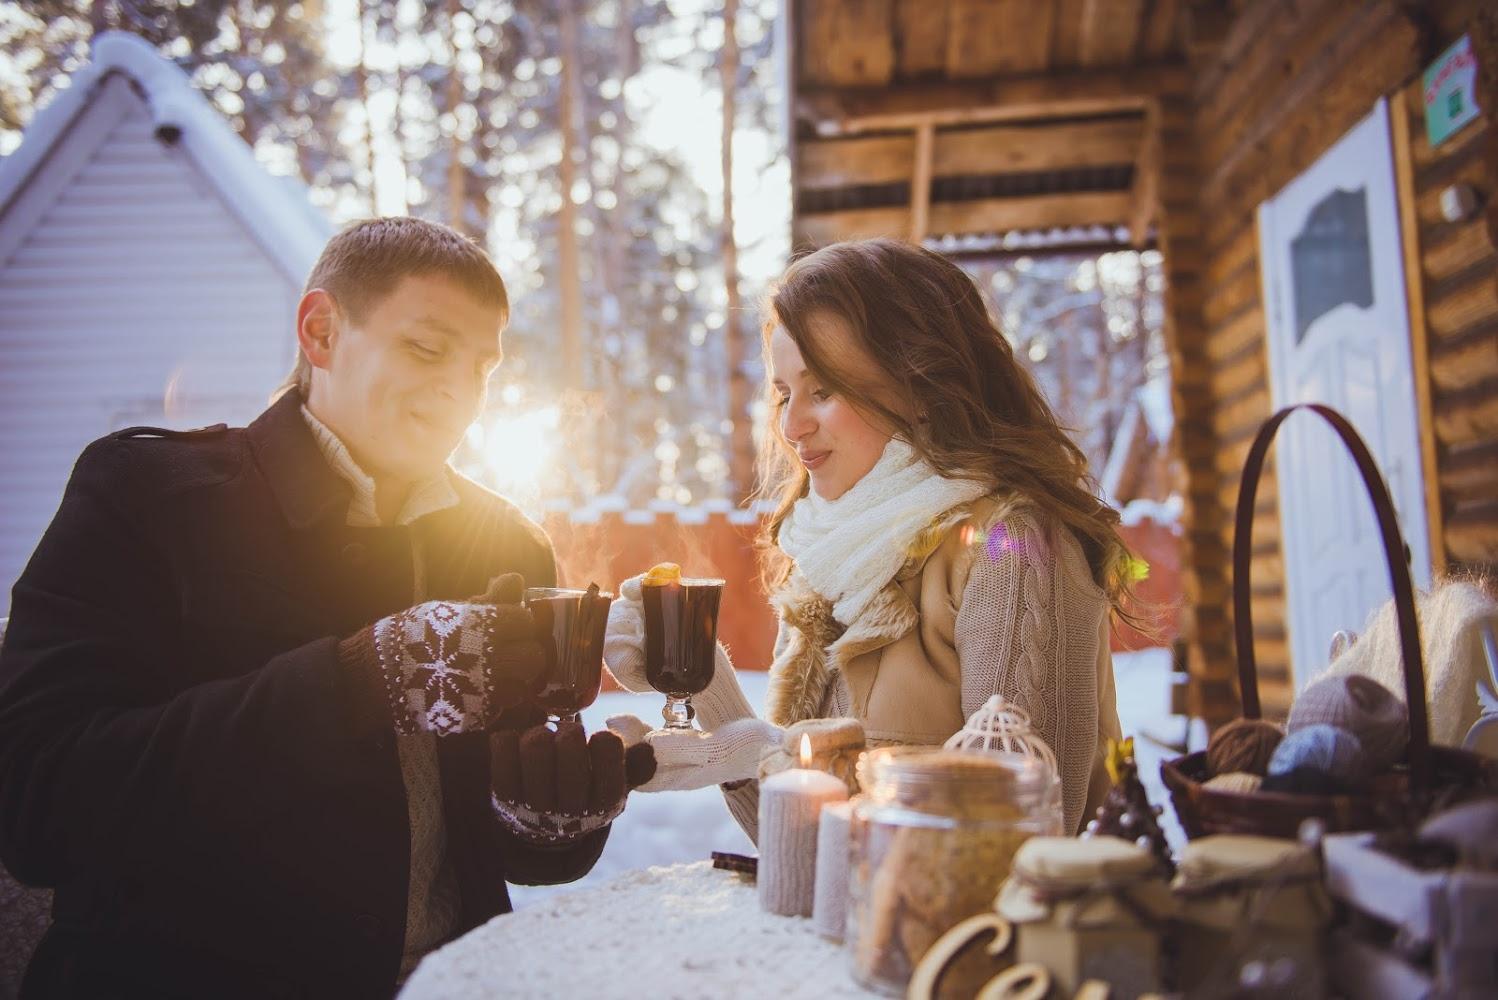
{"x":997,"y":37}
{"x":986,"y":215}
{"x":1242,"y":376}
{"x":1470,"y":472}
{"x":1242,"y":331}
{"x":1472,"y":533}
{"x":1161,"y":36}
{"x":1259,"y":63}
{"x":834,"y":163}
{"x":846,"y":42}
{"x":822,"y":228}
{"x":1066,"y":39}
{"x":921,"y":37}
{"x":1033,"y":148}
{"x":1246,"y":29}
{"x":1459,"y":362}
{"x":1032,"y":212}
{"x":862,"y":109}
{"x":1458,"y":307}
{"x":1323,"y":46}
{"x":1239,"y":250}
{"x":1467,"y":416}
{"x":1232,"y":295}
{"x":1110,"y":31}
{"x":1454,"y":249}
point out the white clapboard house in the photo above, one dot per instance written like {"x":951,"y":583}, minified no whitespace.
{"x":149,"y":274}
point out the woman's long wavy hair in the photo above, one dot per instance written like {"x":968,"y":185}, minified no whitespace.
{"x":949,"y":384}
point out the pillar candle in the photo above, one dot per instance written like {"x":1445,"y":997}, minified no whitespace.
{"x":829,"y":912}
{"x":790,"y":804}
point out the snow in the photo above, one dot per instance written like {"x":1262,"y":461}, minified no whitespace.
{"x":666,"y":828}
{"x":1143,"y":509}
{"x":687,"y":931}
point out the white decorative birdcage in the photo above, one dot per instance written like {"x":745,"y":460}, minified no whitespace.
{"x":1002,"y":725}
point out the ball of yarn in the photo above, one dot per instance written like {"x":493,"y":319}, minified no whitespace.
{"x":1361,"y":706}
{"x":1322,"y":749}
{"x":1244,"y":745}
{"x":1235,"y":781}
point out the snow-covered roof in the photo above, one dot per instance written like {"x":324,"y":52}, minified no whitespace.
{"x":274,"y":209}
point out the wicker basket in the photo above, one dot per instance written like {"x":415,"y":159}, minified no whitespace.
{"x":1426,"y":770}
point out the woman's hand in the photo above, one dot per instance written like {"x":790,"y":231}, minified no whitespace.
{"x":687,"y":758}
{"x":624,"y":640}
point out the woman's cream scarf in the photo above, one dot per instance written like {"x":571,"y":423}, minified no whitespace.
{"x":842,"y":598}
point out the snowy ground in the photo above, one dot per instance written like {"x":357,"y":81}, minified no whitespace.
{"x":668,"y":827}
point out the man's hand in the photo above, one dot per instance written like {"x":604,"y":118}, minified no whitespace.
{"x":554,"y":785}
{"x":451,"y":667}
{"x":686,"y":758}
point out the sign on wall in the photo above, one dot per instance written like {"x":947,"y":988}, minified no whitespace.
{"x":1450,"y":91}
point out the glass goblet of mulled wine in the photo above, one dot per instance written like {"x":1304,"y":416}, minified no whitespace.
{"x":570,"y":626}
{"x":681,"y":637}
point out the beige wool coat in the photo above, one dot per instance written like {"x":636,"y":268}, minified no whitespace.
{"x":995,"y":597}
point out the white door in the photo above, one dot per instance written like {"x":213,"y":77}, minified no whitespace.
{"x":1338,"y":330}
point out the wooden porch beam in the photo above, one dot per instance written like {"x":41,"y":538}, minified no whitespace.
{"x":960,"y":218}
{"x":1146,"y":193}
{"x":920,"y":183}
{"x":998,"y":149}
{"x":852,"y":110}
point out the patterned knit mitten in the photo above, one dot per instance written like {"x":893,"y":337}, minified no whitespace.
{"x":550,"y":786}
{"x":450,"y":667}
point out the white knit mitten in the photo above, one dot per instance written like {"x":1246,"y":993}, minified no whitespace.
{"x":624,"y":654}
{"x":624,"y":640}
{"x":686,"y":758}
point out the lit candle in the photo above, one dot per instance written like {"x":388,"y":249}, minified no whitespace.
{"x":790,"y":804}
{"x":829,"y":912}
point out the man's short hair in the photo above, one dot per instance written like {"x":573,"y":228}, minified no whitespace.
{"x":366,"y":260}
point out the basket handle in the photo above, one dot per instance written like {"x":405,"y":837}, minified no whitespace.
{"x":1399,"y":576}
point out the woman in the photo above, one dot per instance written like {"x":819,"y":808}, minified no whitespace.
{"x":935,"y":539}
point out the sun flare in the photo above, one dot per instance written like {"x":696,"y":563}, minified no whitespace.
{"x":516,"y":448}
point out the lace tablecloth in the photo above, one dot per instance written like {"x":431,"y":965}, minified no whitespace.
{"x":682,"y":931}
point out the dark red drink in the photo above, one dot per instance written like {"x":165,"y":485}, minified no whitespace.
{"x":681,"y":634}
{"x":570,"y":625}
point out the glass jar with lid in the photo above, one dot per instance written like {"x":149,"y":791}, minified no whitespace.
{"x":933,"y":837}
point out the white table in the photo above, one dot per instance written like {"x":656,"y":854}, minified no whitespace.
{"x":680,"y":931}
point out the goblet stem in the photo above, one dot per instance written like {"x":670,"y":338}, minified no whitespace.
{"x":678,"y":712}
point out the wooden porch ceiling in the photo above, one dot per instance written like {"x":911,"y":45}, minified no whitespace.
{"x":933,"y":118}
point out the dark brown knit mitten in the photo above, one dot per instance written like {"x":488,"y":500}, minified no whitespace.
{"x":551,"y":786}
{"x":450,"y":667}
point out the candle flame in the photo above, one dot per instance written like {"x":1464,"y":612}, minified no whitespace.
{"x":805,"y":750}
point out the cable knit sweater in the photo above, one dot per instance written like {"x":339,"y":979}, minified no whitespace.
{"x":432,"y":898}
{"x":1005,"y":603}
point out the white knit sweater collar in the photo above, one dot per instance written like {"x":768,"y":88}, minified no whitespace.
{"x":426,"y":497}
{"x":849,"y":549}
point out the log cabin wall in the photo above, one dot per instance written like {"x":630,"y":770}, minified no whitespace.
{"x":1285,"y":81}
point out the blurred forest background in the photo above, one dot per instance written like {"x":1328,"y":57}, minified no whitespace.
{"x":582,"y":142}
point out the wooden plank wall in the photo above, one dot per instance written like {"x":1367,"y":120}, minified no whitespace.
{"x":1290,"y":77}
{"x":1458,"y":265}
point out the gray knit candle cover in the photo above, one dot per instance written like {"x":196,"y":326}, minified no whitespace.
{"x":1361,"y":706}
{"x":829,"y":911}
{"x":790,"y":804}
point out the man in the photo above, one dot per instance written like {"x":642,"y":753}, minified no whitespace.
{"x":254,"y":677}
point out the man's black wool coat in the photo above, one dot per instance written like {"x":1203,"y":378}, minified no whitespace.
{"x":218,"y":806}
